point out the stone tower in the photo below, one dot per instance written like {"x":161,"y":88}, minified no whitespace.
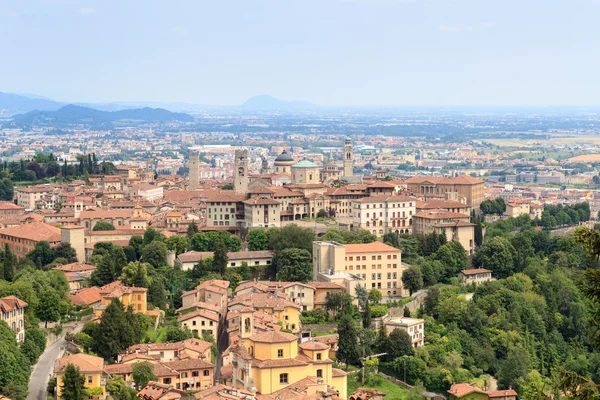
{"x":240,"y":172}
{"x":265,"y":166}
{"x":194,"y":172}
{"x":348,"y":157}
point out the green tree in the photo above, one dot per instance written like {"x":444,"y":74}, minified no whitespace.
{"x":42,"y":252}
{"x":348,"y":349}
{"x":291,"y":236}
{"x":7,"y":189}
{"x":258,"y":239}
{"x":14,"y":366}
{"x":73,"y":384}
{"x":338,"y":302}
{"x":293,"y":265}
{"x":135,"y":274}
{"x":375,"y":296}
{"x":322,"y":213}
{"x":192,"y":229}
{"x":412,"y":279}
{"x":114,"y":332}
{"x":220,"y":259}
{"x":514,"y":368}
{"x":66,"y":251}
{"x":9,"y":263}
{"x":177,"y":334}
{"x":366,"y":316}
{"x":155,"y":254}
{"x":498,"y":255}
{"x":49,"y":306}
{"x":361,"y":295}
{"x":157,"y":293}
{"x":34,"y":344}
{"x":103,"y":226}
{"x":453,"y":257}
{"x":398,"y":344}
{"x":142,"y":373}
{"x":178,"y":243}
{"x":119,"y":389}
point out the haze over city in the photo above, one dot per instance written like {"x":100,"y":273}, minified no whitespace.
{"x":328,"y":52}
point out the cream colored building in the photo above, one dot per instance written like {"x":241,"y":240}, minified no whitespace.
{"x":415,"y":327}
{"x":201,"y":321}
{"x":261,"y":212}
{"x":456,"y":226}
{"x":384,"y":213}
{"x":12,"y":310}
{"x":476,"y":276}
{"x":374,"y":265}
{"x":222,"y":209}
{"x":305,"y":172}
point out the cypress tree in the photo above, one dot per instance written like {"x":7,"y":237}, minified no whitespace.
{"x":9,"y":263}
{"x":366,"y":316}
{"x":220,"y":257}
{"x":348,"y":349}
{"x":73,"y":382}
{"x":114,"y":332}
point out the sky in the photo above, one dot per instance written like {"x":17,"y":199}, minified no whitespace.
{"x":329,"y":52}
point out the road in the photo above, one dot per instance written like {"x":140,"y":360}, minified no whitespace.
{"x":42,"y":370}
{"x":38,"y":382}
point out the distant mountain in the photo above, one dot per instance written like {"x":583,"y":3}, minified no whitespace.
{"x":266,"y":102}
{"x":16,"y":103}
{"x":72,"y":115}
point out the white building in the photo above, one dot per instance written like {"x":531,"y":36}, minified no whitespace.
{"x":415,"y":327}
{"x":382,"y":214}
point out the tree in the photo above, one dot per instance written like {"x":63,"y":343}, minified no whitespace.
{"x":192,"y":229}
{"x":348,"y":349}
{"x":34,"y":344}
{"x":220,"y":259}
{"x":375,"y":296}
{"x":398,"y":344}
{"x":453,"y":257}
{"x":42,"y":252}
{"x":498,"y":255}
{"x":291,"y":236}
{"x":114,"y":332}
{"x":322,"y":213}
{"x":177,"y":334}
{"x":155,"y":254}
{"x":14,"y":366}
{"x":514,"y":368}
{"x":157,"y":293}
{"x":9,"y":263}
{"x":366,"y":316}
{"x":177,"y":243}
{"x":293,"y":265}
{"x":258,"y":239}
{"x":119,"y":389}
{"x":103,"y":226}
{"x":412,"y":279}
{"x":207,"y":241}
{"x":73,"y":384}
{"x":361,"y":295}
{"x":66,"y":251}
{"x":135,"y":274}
{"x":142,"y":373}
{"x":338,"y":302}
{"x":7,"y":189}
{"x":48,"y":309}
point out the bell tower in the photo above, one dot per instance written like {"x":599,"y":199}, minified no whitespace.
{"x":348,"y":157}
{"x":240,"y":173}
{"x":193,"y":166}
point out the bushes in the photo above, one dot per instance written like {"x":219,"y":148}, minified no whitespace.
{"x":378,"y":310}
{"x":316,"y":316}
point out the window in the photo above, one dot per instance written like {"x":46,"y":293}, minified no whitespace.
{"x":318,"y":356}
{"x":193,"y":323}
{"x":373,"y":276}
{"x":184,"y":375}
{"x":319,"y":373}
{"x":194,"y":373}
{"x":206,"y":372}
{"x":167,"y":381}
{"x":280,"y":353}
{"x":90,"y":378}
{"x":283,"y":378}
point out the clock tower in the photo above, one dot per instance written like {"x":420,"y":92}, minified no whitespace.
{"x":240,"y":173}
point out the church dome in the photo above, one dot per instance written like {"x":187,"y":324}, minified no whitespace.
{"x":305,"y":164}
{"x":284,"y":157}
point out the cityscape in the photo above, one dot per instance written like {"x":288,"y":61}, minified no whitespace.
{"x":385,"y":224}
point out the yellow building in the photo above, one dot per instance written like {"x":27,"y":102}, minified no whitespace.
{"x":91,"y":367}
{"x":134,"y":296}
{"x":372,"y":265}
{"x":271,"y":361}
{"x":286,"y":312}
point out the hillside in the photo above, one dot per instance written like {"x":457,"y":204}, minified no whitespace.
{"x":14,"y":103}
{"x":72,"y":115}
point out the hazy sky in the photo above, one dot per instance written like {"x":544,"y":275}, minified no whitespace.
{"x":330,"y":52}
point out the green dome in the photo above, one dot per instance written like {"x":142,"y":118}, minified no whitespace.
{"x":305,"y":164}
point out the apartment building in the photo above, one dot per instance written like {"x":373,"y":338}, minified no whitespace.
{"x":374,"y":265}
{"x":136,"y":297}
{"x":12,"y":310}
{"x":262,"y":212}
{"x":432,"y":187}
{"x":224,"y":209}
{"x":381,"y":214}
{"x":91,"y":367}
{"x":415,"y":327}
{"x":21,"y":239}
{"x":27,"y":197}
{"x":476,"y":276}
{"x":456,"y":226}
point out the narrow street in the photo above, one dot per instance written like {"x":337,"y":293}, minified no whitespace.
{"x":222,"y":344}
{"x":38,"y":381}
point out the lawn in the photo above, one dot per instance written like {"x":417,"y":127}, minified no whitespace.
{"x":392,"y":391}
{"x":156,"y":336}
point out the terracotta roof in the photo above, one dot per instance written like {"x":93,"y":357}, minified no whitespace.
{"x":10,"y":303}
{"x":463,"y":389}
{"x":440,"y":214}
{"x":369,"y":248}
{"x":35,"y":231}
{"x":194,"y":256}
{"x":155,"y":391}
{"x":199,"y":313}
{"x":75,"y":267}
{"x":335,"y":372}
{"x":475,"y":271}
{"x":261,"y":201}
{"x":84,"y":362}
{"x":289,"y":362}
{"x":7,"y":205}
{"x":105,"y":214}
{"x":313,"y":346}
{"x":86,"y":296}
{"x":501,"y":393}
{"x":274,"y":337}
